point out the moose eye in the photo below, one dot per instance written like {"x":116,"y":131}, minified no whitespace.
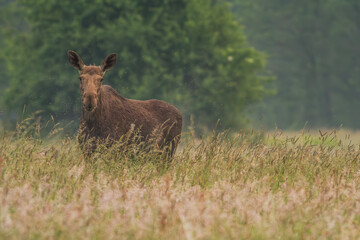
{"x":101,"y":80}
{"x":80,"y":78}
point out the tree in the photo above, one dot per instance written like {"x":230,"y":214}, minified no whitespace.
{"x":312,"y":52}
{"x":190,"y":53}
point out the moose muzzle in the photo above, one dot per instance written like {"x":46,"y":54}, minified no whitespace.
{"x":90,"y":101}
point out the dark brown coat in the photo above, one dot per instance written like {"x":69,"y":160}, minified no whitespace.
{"x":108,"y":115}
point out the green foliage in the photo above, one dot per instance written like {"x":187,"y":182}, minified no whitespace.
{"x":190,"y":53}
{"x":3,"y":72}
{"x":312,"y":48}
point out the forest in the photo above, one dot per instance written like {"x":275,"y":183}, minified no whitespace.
{"x":238,"y":63}
{"x":312,"y":51}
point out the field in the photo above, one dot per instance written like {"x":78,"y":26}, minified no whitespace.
{"x":295,"y":185}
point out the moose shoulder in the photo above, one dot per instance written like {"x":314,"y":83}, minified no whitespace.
{"x":108,"y":115}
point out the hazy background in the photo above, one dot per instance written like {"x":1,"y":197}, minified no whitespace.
{"x":249,"y":63}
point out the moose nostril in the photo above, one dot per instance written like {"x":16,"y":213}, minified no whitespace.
{"x":89,"y":107}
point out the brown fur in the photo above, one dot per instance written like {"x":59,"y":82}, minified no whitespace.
{"x":108,"y":115}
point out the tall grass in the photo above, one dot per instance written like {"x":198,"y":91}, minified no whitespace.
{"x":302,"y":186}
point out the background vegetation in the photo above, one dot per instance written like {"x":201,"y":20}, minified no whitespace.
{"x":313,"y":52}
{"x":193,"y":54}
{"x":190,"y":53}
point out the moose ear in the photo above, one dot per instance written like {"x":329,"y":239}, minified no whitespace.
{"x":75,"y":60}
{"x":109,"y":62}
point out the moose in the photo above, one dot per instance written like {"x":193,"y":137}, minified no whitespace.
{"x":106,"y":115}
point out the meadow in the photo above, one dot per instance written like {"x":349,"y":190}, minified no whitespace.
{"x":272,"y":185}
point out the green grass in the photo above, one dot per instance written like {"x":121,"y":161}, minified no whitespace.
{"x":220,"y":187}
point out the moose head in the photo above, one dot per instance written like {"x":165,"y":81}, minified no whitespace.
{"x":91,"y":78}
